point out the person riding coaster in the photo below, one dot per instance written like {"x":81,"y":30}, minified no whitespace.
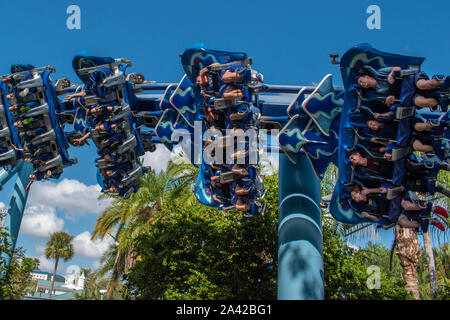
{"x":37,"y":175}
{"x":420,"y":176}
{"x":94,"y":84}
{"x":226,"y":83}
{"x":421,"y":140}
{"x":20,"y":97}
{"x":373,"y":205}
{"x":114,"y":175}
{"x":418,"y":213}
{"x":389,"y":130}
{"x":229,"y":84}
{"x":413,"y":89}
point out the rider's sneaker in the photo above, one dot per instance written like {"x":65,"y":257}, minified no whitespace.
{"x":257,"y":76}
{"x":24,"y":92}
{"x":440,"y":211}
{"x":388,"y":224}
{"x":438,"y":225}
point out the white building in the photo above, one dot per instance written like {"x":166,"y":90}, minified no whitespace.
{"x":75,"y":281}
{"x":43,"y":275}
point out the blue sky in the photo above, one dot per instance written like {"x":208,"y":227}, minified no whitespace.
{"x":289,"y":41}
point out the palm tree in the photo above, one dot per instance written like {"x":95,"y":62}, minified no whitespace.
{"x":59,"y":246}
{"x":126,"y":219}
{"x":444,"y":178}
{"x":408,"y":252}
{"x":431,"y":264}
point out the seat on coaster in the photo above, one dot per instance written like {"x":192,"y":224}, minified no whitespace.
{"x":2,"y":112}
{"x":226,"y":141}
{"x":400,"y":153}
{"x":114,"y":80}
{"x":37,"y":111}
{"x":404,"y":112}
{"x":227,"y":207}
{"x":5,"y":132}
{"x":35,"y":82}
{"x":122,"y":126}
{"x":52,"y":163}
{"x":45,"y":137}
{"x":365,"y":136}
{"x":149,"y":121}
{"x":399,"y":74}
{"x":369,"y":113}
{"x":125,"y":112}
{"x":29,"y":98}
{"x":90,"y":100}
{"x":45,"y":149}
{"x":223,"y":104}
{"x":363,"y":149}
{"x":5,"y":143}
{"x":133,"y":175}
{"x":8,"y":156}
{"x":224,"y":66}
{"x":227,"y":177}
{"x":394,"y":192}
{"x":103,"y":164}
{"x":128,"y":144}
{"x":34,"y":124}
{"x":358,"y":120}
{"x":364,"y":173}
{"x":372,"y":98}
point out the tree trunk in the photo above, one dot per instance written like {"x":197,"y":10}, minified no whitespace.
{"x":431,"y":264}
{"x":54,"y":275}
{"x":408,"y":252}
{"x":111,"y":287}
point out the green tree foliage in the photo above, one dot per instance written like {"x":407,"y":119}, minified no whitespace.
{"x":195,"y":252}
{"x":126,"y":219}
{"x":5,"y":249}
{"x":94,"y":284}
{"x":346,"y":272}
{"x":442,"y":261}
{"x":15,"y":281}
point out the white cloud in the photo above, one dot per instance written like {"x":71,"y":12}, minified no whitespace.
{"x":46,"y":264}
{"x":83,"y":245}
{"x":40,"y":221}
{"x":70,"y":195}
{"x":40,"y":248}
{"x":158,"y":159}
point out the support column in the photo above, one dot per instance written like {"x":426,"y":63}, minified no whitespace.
{"x":300,"y":261}
{"x":17,"y":205}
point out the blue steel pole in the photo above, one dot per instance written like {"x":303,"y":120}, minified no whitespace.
{"x":300,"y":261}
{"x":16,"y":207}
